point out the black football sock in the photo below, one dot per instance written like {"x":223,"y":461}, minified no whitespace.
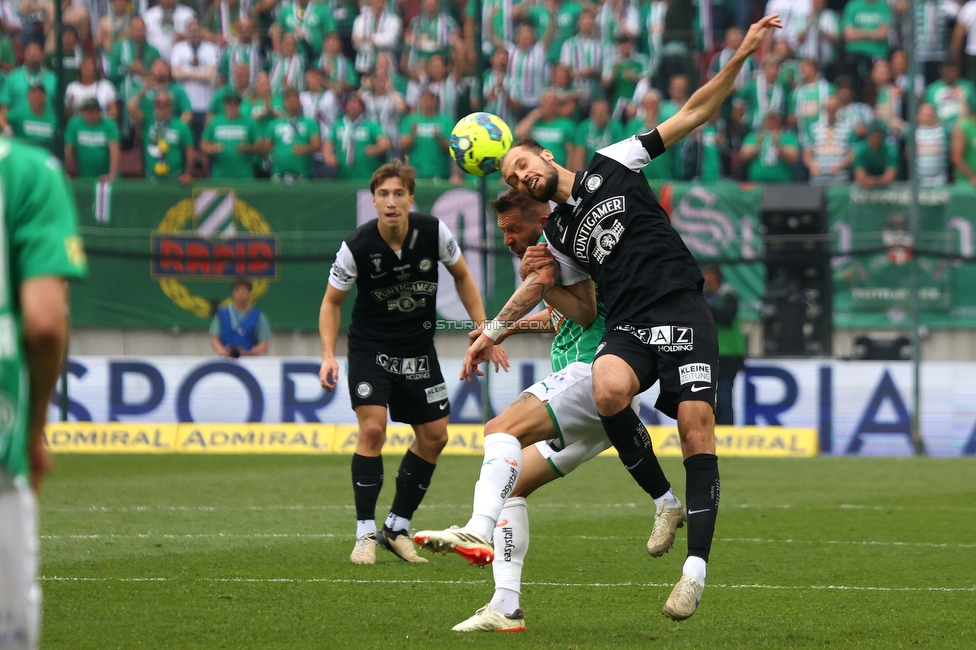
{"x":633,"y":444}
{"x":412,"y":481}
{"x":702,"y":491}
{"x":367,"y":481}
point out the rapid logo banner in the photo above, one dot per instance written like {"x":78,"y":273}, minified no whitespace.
{"x":213,"y":236}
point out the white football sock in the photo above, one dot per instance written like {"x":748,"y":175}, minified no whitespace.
{"x":395,"y":523}
{"x":668,"y":498}
{"x":511,"y":544}
{"x":694,"y":567}
{"x":499,"y":473}
{"x":365,"y":527}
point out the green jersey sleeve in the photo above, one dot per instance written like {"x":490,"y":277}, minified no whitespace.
{"x":43,"y":220}
{"x":111,"y":131}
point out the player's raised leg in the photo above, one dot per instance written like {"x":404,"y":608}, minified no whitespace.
{"x":523,"y":423}
{"x":412,"y":480}
{"x":614,"y":386}
{"x":367,"y":479}
{"x":696,"y":427}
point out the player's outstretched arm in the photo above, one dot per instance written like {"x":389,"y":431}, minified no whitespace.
{"x":330,"y":314}
{"x":467,"y":290}
{"x":527,"y":296}
{"x":707,"y":99}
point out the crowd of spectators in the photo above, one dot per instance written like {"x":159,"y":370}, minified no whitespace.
{"x":293,"y":89}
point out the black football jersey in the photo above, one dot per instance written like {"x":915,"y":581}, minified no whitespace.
{"x":615,"y":229}
{"x":396,"y":299}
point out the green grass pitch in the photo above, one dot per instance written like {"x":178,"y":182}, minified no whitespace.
{"x":252,"y":552}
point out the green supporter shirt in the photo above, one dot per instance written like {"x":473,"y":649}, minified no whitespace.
{"x":592,"y":138}
{"x":91,"y":144}
{"x":661,"y":167}
{"x":566,"y":18}
{"x":40,"y":225}
{"x":767,"y":166}
{"x":875,"y":162}
{"x":951,"y":102}
{"x":623,"y":87}
{"x":572,"y":341}
{"x":37,"y":130}
{"x":7,"y":52}
{"x":314,"y":21}
{"x":362,"y":135}
{"x":123,"y":54}
{"x":181,"y":103}
{"x":229,"y":163}
{"x":427,"y":156}
{"x":284,"y":134}
{"x":14,"y":91}
{"x":177,"y":136}
{"x":867,"y":15}
{"x":554,"y":135}
{"x":968,"y":127}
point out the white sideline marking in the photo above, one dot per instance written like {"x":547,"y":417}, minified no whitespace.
{"x":587,"y":585}
{"x":748,"y":540}
{"x":195,"y":535}
{"x":467,"y":506}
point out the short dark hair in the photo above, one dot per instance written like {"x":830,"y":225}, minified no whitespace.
{"x":241,"y":282}
{"x":394,"y":169}
{"x":529,"y":143}
{"x":513,"y":199}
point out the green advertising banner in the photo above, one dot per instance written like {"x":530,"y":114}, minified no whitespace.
{"x":719,"y":222}
{"x":162,"y":256}
{"x":874,"y":249}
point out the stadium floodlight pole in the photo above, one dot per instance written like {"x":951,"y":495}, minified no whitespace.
{"x":913,"y":219}
{"x":479,"y":64}
{"x":59,"y":73}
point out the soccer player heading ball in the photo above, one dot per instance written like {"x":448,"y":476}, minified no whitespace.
{"x":609,"y":227}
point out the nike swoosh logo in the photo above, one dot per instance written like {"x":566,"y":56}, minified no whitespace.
{"x":695,"y":389}
{"x":373,"y":276}
{"x":423,"y":487}
{"x":562,"y":240}
{"x":366,"y":484}
{"x":695,"y":512}
{"x":443,"y":406}
{"x":629,"y":467}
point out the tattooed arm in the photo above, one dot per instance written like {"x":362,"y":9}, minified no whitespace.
{"x":527,"y":296}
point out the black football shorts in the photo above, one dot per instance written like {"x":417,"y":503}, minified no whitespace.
{"x":412,"y":387}
{"x":674,"y":341}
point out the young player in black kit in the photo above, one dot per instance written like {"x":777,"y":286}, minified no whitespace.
{"x":392,"y":260}
{"x":609,"y":226}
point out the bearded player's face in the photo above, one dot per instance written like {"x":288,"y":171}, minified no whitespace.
{"x":531,"y":173}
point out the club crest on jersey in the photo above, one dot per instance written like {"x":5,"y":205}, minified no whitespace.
{"x":424,"y":265}
{"x":603,"y":239}
{"x":593,"y":182}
